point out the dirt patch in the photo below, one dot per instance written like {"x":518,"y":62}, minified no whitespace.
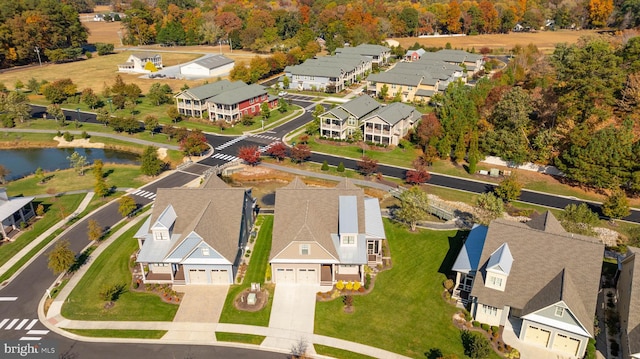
{"x":78,"y":143}
{"x":162,"y":153}
{"x":261,"y":300}
{"x":545,"y":40}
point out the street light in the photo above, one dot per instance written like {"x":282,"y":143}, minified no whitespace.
{"x":37,"y":50}
{"x":110,"y":107}
{"x":262,"y":120}
{"x":78,"y":112}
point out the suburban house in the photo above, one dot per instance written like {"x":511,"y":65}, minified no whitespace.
{"x":415,"y":81}
{"x":377,"y":53}
{"x":343,"y":120}
{"x":628,"y":286}
{"x":329,"y":74}
{"x":389,"y":124}
{"x":138,"y":63}
{"x":223,"y":100}
{"x":196,"y":235}
{"x":414,"y":55}
{"x":13,"y":212}
{"x":535,"y":275}
{"x":216,"y":65}
{"x":324,"y":235}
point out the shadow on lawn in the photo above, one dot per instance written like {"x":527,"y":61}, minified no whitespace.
{"x":455,"y":244}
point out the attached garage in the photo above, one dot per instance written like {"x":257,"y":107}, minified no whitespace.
{"x":285,"y":275}
{"x":219,"y":276}
{"x":198,"y":276}
{"x":307,"y":276}
{"x":566,"y":344}
{"x":537,"y":336}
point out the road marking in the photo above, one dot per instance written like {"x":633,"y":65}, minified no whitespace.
{"x":8,"y":299}
{"x":3,"y":322}
{"x":33,"y":322}
{"x":37,"y":332}
{"x":22,"y":323}
{"x":13,"y":322}
{"x":138,"y":191}
{"x":30,"y":338}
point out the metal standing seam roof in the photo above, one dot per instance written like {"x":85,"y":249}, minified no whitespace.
{"x":8,"y":208}
{"x":469,"y":257}
{"x":166,"y":218}
{"x":213,"y":62}
{"x":238,"y":95}
{"x":373,"y":226}
{"x":348,"y":214}
{"x":351,"y":255}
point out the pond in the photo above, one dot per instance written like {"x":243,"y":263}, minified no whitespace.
{"x":23,"y":162}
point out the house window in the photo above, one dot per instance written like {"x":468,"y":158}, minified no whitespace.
{"x":489,"y":310}
{"x":304,"y":249}
{"x":160,"y":235}
{"x":205,"y":251}
{"x":348,"y":239}
{"x":495,"y":281}
{"x":559,"y":311}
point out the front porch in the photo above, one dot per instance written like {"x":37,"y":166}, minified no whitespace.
{"x":329,"y":275}
{"x":162,"y":275}
{"x":11,"y":219}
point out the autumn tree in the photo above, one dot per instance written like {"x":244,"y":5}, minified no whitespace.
{"x":151,"y":124}
{"x":414,"y":205}
{"x":4,"y":172}
{"x":57,"y":114}
{"x":616,"y":205}
{"x":126,"y":206}
{"x":39,"y":175}
{"x":173,"y":114}
{"x":249,"y":154}
{"x":159,"y":94}
{"x":300,"y":153}
{"x":453,"y":16}
{"x":278,"y":151}
{"x":77,"y":161}
{"x":61,"y":257}
{"x":367,"y":166}
{"x":578,"y":219}
{"x":488,"y":207}
{"x":599,"y":12}
{"x":94,"y":230}
{"x":195,"y":143}
{"x":509,"y":189}
{"x":150,"y":164}
{"x":89,"y":98}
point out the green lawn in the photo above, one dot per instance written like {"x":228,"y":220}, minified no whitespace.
{"x":127,"y":176}
{"x":338,"y":353}
{"x":239,"y":338}
{"x":255,"y":274}
{"x":396,"y":157}
{"x":411,"y":289}
{"x":112,"y":267}
{"x":119,"y":333}
{"x":55,"y":210}
{"x":26,"y":140}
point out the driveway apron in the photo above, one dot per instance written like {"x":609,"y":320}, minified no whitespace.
{"x":294,"y":307}
{"x":201,"y":303}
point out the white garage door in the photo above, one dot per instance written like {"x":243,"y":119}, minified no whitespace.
{"x":566,"y":344}
{"x":537,"y":336}
{"x":219,"y":276}
{"x":307,"y":275}
{"x":285,"y":275}
{"x":197,"y":276}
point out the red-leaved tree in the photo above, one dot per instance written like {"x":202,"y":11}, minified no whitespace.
{"x":367,"y":166}
{"x":249,"y":154}
{"x":278,"y":151}
{"x":194,"y":143}
{"x":417,"y":176}
{"x":300,"y":152}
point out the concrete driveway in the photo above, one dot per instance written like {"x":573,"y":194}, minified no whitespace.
{"x":201,"y":303}
{"x":294,"y":307}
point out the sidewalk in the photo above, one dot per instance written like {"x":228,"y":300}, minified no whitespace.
{"x":200,"y":333}
{"x":18,"y":256}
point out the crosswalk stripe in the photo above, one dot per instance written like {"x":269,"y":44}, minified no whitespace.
{"x":30,"y":338}
{"x":153,"y":197}
{"x":22,"y":323}
{"x":13,"y":322}
{"x":37,"y":332}
{"x":138,"y":191}
{"x":3,"y":322}
{"x":33,"y":322}
{"x":8,"y":299}
{"x":147,"y":195}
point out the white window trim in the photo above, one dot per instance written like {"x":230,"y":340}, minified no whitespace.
{"x":559,"y":311}
{"x":305,"y":247}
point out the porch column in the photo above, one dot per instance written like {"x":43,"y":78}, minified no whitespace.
{"x":171,"y":272}
{"x":362,"y":273}
{"x":456,"y":285}
{"x":32,"y":210}
{"x":144,"y":276}
{"x":22,"y":214}
{"x":333,"y":273}
{"x":13,"y":221}
{"x":4,"y":234}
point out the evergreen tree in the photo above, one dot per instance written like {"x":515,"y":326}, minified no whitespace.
{"x":325,"y":166}
{"x":474,"y":153}
{"x":150,"y":164}
{"x":617,"y":205}
{"x":340,"y":167}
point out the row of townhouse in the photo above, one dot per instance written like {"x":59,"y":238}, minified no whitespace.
{"x":334,"y":73}
{"x":224,"y":100}
{"x":198,"y":236}
{"x":422,"y":77}
{"x":385,"y":125}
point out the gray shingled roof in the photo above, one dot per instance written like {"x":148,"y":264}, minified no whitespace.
{"x":214,"y":213}
{"x":210,"y":90}
{"x":539,"y":256}
{"x":364,"y":49}
{"x":214,"y":61}
{"x":361,"y":106}
{"x":394,"y":113}
{"x":457,"y":56}
{"x":398,"y":79}
{"x":238,"y":95}
{"x":312,"y":210}
{"x":633,"y":321}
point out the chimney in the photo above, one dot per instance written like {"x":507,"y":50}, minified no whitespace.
{"x":3,"y":194}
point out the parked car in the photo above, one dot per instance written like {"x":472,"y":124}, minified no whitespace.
{"x":283,"y":93}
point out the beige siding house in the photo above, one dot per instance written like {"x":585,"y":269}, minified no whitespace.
{"x":137,"y":62}
{"x":628,"y":287}
{"x":324,"y":235}
{"x":389,"y":124}
{"x":542,"y":279}
{"x":343,"y":120}
{"x":195,"y":235}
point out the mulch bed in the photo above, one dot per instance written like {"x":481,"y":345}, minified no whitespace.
{"x":261,"y":300}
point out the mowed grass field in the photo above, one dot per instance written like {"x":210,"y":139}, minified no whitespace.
{"x":544,"y":40}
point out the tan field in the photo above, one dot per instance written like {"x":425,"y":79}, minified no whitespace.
{"x":544,"y":40}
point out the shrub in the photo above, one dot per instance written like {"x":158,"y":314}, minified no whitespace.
{"x":67,"y":136}
{"x":591,"y":350}
{"x":347,"y":300}
{"x":448,"y":284}
{"x":367,"y":281}
{"x":325,"y":166}
{"x":485,"y":327}
{"x":495,"y":329}
{"x":349,"y":285}
{"x":111,"y":293}
{"x":40,"y":210}
{"x":475,"y":345}
{"x":267,"y":275}
{"x":340,"y":167}
{"x":475,"y":324}
{"x":356,"y":286}
{"x":340,"y":285}
{"x":85,"y":135}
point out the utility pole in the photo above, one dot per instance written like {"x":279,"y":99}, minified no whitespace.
{"x":37,"y":50}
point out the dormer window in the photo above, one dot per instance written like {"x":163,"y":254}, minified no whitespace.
{"x":559,"y":311}
{"x":205,"y":251}
{"x":160,"y":235}
{"x":495,"y":281}
{"x":348,"y":239}
{"x":304,"y":249}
